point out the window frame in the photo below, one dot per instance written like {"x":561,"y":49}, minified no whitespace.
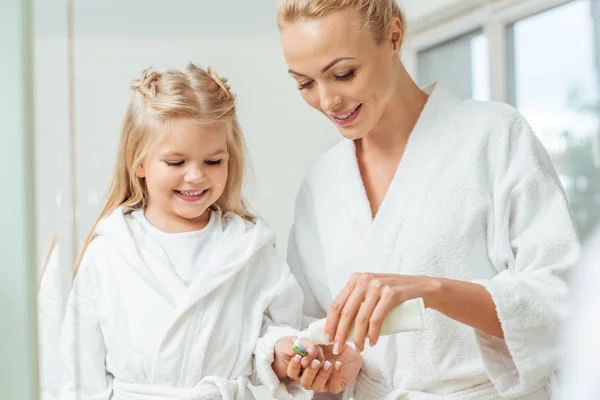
{"x":493,"y":17}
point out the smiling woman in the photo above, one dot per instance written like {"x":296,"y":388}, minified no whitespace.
{"x":452,"y":201}
{"x":345,"y":77}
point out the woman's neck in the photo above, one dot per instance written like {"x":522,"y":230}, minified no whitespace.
{"x":390,"y":135}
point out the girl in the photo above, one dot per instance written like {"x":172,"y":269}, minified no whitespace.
{"x":454,"y":201}
{"x":179,"y":292}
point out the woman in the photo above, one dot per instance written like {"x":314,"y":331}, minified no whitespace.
{"x":429,"y":196}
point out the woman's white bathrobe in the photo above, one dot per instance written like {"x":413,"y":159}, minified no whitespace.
{"x":134,"y":331}
{"x":475,"y":198}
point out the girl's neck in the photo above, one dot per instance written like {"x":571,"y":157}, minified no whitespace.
{"x":169,"y":222}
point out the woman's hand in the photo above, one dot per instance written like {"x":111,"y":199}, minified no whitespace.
{"x":366,"y":300}
{"x":320,"y":370}
{"x":333,"y":375}
{"x":285,"y":356}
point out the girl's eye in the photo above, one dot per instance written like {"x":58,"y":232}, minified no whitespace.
{"x":174,"y":163}
{"x":213,"y":162}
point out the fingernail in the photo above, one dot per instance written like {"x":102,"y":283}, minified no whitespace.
{"x":315,"y":364}
{"x":336,"y":349}
{"x":326,"y":366}
{"x":305,"y":362}
{"x":327,"y":338}
{"x":338,"y":365}
{"x":297,"y":358}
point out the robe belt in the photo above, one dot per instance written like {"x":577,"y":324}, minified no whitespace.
{"x":208,"y":388}
{"x":365,"y":388}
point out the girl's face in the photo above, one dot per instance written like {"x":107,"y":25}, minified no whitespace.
{"x":185,"y":174}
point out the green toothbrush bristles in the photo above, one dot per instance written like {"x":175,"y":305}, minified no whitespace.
{"x":298,"y":349}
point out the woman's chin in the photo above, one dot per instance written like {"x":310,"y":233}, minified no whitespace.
{"x":353,"y":133}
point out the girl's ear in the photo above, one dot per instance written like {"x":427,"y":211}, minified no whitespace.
{"x":141,"y":172}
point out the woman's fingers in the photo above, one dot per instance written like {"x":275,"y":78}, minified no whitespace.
{"x":309,"y":374}
{"x":346,"y":321}
{"x":361,"y":323}
{"x":335,"y":310}
{"x":360,"y":284}
{"x":320,"y":383}
{"x":295,"y":367}
{"x":336,"y":383}
{"x":382,"y":309}
{"x":298,"y":363}
{"x":314,"y":352}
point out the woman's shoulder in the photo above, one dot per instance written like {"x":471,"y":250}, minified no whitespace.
{"x":494,"y":126}
{"x":490,"y":112}
{"x":496,"y":116}
{"x":329,"y":167}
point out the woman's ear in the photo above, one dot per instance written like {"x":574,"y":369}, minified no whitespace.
{"x":396,"y":34}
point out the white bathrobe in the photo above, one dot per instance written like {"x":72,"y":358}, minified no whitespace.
{"x":51,"y":301}
{"x":134,"y":331}
{"x":580,"y":370}
{"x":475,"y":198}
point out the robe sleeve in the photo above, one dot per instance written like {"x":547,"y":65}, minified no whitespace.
{"x":82,"y":347}
{"x":281,"y":319}
{"x":304,"y":249}
{"x":535,"y":244}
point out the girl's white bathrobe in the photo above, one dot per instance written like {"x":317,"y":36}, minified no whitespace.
{"x":475,"y":198}
{"x":52,"y":298}
{"x":133,"y":330}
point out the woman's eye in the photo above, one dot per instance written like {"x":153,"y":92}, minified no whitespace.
{"x":346,"y":77}
{"x":305,"y":85}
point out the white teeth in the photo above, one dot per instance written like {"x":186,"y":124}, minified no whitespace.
{"x":191,"y":194}
{"x":345,"y":116}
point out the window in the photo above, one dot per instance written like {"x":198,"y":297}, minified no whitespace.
{"x":462,"y":64}
{"x":555,"y":84}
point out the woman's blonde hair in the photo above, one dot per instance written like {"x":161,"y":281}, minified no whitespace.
{"x":375,"y":15}
{"x":159,"y":98}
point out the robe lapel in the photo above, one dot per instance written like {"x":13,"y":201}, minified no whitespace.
{"x":370,"y":243}
{"x":232,"y":253}
{"x":146,"y":261}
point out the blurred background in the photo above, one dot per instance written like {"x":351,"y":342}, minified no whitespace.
{"x":66,"y":68}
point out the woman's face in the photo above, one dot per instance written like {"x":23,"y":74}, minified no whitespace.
{"x":340,"y":69}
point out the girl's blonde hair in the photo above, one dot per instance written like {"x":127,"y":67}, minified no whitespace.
{"x":375,"y":15}
{"x":159,"y":98}
{"x":47,"y":256}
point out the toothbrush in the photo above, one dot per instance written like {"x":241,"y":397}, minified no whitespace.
{"x":298,"y":349}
